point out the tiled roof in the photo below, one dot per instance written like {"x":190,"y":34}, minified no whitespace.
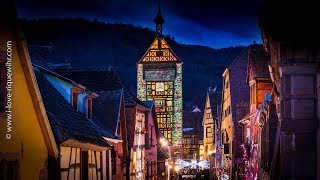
{"x":102,"y":80}
{"x":66,"y":122}
{"x":258,"y":63}
{"x":106,"y":109}
{"x":239,"y":89}
{"x":149,"y":104}
{"x":215,"y":100}
{"x":40,"y":55}
{"x":103,"y":129}
{"x":162,"y":154}
{"x":193,"y":120}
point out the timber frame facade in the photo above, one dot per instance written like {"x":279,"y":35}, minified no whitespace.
{"x":159,"y":78}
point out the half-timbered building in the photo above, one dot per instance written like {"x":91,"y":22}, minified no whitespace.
{"x":159,"y":78}
{"x":109,"y":115}
{"x":152,"y":136}
{"x":192,"y":134}
{"x":68,"y":107}
{"x":211,"y":128}
{"x":106,"y":79}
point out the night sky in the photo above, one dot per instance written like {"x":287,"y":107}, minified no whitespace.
{"x":214,"y":23}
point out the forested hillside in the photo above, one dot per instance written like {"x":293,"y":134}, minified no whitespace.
{"x":93,"y":44}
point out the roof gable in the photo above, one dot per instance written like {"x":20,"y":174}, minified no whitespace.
{"x":193,"y":120}
{"x":257,"y":63}
{"x":106,"y":109}
{"x":66,"y":122}
{"x":40,"y":55}
{"x":104,"y":79}
{"x":159,"y":51}
{"x":215,"y":101}
{"x":239,"y":90}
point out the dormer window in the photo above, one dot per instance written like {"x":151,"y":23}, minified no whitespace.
{"x":74,"y":95}
{"x":75,"y":99}
{"x":88,"y":104}
{"x":89,"y":108}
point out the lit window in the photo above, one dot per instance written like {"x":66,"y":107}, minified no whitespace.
{"x":160,"y":86}
{"x":208,"y":132}
{"x":208,"y":115}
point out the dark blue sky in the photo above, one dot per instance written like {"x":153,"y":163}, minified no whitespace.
{"x":214,"y":23}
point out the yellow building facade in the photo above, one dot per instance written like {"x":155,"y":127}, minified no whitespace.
{"x":226,"y":123}
{"x":208,"y":130}
{"x":26,"y":139}
{"x":211,"y":128}
{"x":234,"y":106}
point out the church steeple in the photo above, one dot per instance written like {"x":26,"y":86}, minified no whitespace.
{"x":158,"y":20}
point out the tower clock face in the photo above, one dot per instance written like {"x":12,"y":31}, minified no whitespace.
{"x":160,"y":86}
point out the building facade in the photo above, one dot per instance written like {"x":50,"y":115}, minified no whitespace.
{"x":109,"y":116}
{"x":159,"y":78}
{"x":258,"y":78}
{"x":77,"y":147}
{"x":28,"y":147}
{"x":211,"y":129}
{"x":192,"y":134}
{"x":152,"y":136}
{"x":294,"y":70}
{"x":107,"y":79}
{"x":234,"y":106}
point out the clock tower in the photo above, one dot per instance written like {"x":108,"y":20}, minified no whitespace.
{"x":159,"y":78}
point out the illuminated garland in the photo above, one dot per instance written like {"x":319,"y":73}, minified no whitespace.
{"x":177,"y":120}
{"x":141,"y":83}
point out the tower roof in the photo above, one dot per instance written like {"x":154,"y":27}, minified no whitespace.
{"x":158,"y":19}
{"x":152,"y":55}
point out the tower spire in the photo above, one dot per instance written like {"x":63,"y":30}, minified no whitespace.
{"x":158,"y":20}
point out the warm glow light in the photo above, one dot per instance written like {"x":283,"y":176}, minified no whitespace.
{"x":211,"y":152}
{"x":163,"y":142}
{"x":177,"y":168}
{"x":170,"y":166}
